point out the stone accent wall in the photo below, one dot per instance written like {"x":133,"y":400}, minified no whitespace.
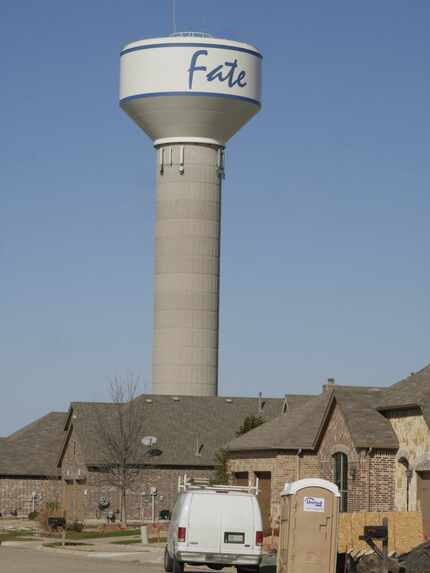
{"x":414,"y":446}
{"x":16,"y":494}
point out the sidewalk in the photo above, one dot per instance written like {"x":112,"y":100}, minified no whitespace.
{"x":99,"y":549}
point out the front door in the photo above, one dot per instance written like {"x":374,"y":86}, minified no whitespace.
{"x":264,"y":498}
{"x":424,"y":500}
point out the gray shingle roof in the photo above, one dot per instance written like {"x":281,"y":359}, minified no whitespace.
{"x":367,"y":426}
{"x":181,"y":426}
{"x":411,"y":391}
{"x":293,"y":430}
{"x":33,"y":450}
{"x":301,"y":428}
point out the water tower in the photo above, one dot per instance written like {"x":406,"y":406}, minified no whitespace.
{"x":190,"y":93}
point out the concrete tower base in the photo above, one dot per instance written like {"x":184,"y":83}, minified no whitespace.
{"x":187,"y":250}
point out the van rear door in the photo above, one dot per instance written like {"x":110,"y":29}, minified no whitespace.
{"x":204,"y":523}
{"x":237,"y":524}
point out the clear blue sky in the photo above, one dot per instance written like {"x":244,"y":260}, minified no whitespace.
{"x":325,"y":268}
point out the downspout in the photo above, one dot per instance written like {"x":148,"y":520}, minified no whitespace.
{"x":299,"y":453}
{"x":369,"y":451}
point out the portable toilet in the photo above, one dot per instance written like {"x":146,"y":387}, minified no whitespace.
{"x":308,"y":531}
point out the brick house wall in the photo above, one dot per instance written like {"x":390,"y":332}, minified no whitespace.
{"x":370,"y":476}
{"x":16,"y":493}
{"x":73,"y":463}
{"x":381,"y":480}
{"x":139,"y":506}
{"x":83,"y":487}
{"x":255,"y":462}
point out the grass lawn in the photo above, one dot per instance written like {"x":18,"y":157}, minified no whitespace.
{"x":126,"y":542}
{"x":67,"y":544}
{"x":15,"y":535}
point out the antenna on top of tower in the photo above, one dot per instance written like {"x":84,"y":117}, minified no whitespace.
{"x":174,"y":16}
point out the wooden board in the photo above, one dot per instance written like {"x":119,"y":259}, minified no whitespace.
{"x":405,"y":530}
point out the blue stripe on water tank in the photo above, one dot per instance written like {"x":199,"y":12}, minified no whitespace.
{"x":191,"y":45}
{"x":157,"y":94}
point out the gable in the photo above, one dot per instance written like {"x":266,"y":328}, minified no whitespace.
{"x":336,"y":436}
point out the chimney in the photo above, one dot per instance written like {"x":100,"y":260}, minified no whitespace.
{"x":328,"y":387}
{"x":260,"y":402}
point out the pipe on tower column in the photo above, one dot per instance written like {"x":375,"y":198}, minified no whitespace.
{"x":187,"y":264}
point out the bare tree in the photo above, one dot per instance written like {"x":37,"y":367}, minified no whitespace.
{"x":119,"y":439}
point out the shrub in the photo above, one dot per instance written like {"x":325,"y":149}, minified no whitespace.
{"x":75,"y":526}
{"x":33,"y":515}
{"x":221,"y":470}
{"x":249,"y":423}
{"x":50,"y":509}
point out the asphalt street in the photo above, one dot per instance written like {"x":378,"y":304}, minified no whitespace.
{"x":31,"y":560}
{"x":24,"y":560}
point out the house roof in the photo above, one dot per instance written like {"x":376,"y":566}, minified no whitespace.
{"x":414,"y":390}
{"x":33,"y":450}
{"x":189,"y":429}
{"x":303,"y":428}
{"x":367,"y":426}
{"x":295,"y":430}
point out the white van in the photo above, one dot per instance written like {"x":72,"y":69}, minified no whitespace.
{"x":217,"y":526}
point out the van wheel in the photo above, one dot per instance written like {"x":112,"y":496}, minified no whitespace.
{"x":242,"y":569}
{"x":177,"y":566}
{"x":168,"y":562}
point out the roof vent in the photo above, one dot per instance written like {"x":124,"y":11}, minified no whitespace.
{"x":176,"y":398}
{"x":148,"y":400}
{"x":199,"y":447}
{"x":228,"y":400}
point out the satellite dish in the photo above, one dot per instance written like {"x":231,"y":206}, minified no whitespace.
{"x":149,"y":441}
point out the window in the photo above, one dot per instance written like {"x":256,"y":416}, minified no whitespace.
{"x":241,"y":478}
{"x":341,"y":479}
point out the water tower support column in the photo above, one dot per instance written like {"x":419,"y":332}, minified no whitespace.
{"x":187,"y":261}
